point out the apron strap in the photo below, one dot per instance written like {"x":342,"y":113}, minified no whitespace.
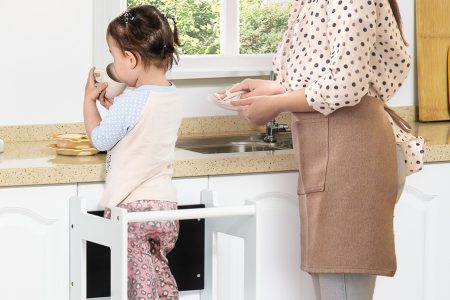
{"x":398,"y":120}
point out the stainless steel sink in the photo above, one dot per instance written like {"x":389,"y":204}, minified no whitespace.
{"x":232,"y":144}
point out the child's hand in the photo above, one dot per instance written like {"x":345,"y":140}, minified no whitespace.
{"x":93,"y":90}
{"x":105,"y":102}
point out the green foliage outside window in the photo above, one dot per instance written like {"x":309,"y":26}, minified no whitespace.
{"x":263,"y":24}
{"x":198,"y":22}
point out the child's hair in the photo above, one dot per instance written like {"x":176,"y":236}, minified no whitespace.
{"x":145,"y":32}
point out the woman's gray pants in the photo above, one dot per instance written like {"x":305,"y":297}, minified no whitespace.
{"x":343,"y":286}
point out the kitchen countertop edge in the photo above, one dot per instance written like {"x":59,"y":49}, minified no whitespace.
{"x":32,"y":163}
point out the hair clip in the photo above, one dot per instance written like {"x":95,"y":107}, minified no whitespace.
{"x":171,"y":18}
{"x":127,"y":17}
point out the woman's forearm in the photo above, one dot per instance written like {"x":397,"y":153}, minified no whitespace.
{"x":91,"y":116}
{"x":294,"y":101}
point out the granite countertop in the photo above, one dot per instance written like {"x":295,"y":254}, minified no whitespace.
{"x":27,"y":160}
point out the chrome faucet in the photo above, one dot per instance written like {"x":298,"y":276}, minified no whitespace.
{"x":273,"y":127}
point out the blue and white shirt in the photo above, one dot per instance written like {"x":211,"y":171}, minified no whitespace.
{"x":123,"y":115}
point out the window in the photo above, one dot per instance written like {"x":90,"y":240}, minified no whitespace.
{"x":198,"y":23}
{"x":221,"y":38}
{"x":261,"y":24}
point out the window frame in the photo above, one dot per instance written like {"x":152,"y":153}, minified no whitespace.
{"x":229,"y":63}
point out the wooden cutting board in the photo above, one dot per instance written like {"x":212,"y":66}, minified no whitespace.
{"x":433,"y":43}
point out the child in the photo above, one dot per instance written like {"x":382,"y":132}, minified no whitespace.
{"x":139,"y":134}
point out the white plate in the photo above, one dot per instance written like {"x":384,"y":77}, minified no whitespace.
{"x":226,"y":102}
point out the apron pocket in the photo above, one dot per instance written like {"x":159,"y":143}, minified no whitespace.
{"x":311,"y":142}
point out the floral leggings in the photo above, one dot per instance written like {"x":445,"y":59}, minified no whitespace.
{"x":149,"y":275}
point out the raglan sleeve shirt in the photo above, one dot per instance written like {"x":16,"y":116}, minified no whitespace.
{"x":121,"y":118}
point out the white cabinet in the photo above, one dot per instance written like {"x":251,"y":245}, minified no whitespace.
{"x":188,"y":189}
{"x":422,"y":236}
{"x":34,"y":237}
{"x":421,"y":226}
{"x":280,"y":274}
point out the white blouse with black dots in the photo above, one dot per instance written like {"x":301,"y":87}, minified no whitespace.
{"x":341,"y":50}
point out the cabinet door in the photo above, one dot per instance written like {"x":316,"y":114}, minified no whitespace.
{"x":433,"y":182}
{"x":422,"y":237}
{"x":280,"y":271}
{"x":189,"y":189}
{"x":34,"y":235}
{"x":437,"y":245}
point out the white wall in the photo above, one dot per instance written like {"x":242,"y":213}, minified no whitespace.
{"x":407,"y":94}
{"x":46,"y":51}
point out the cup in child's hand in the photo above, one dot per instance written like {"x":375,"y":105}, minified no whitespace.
{"x":115,"y":87}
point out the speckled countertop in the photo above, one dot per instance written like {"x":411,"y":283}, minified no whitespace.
{"x":27,"y":160}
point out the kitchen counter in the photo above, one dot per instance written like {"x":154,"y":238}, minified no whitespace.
{"x":31,"y":162}
{"x":27,"y":163}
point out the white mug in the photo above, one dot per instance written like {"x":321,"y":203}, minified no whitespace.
{"x":115,"y":87}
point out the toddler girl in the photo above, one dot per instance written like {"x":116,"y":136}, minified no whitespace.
{"x":139,"y":134}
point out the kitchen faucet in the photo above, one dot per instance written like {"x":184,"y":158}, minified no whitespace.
{"x":272,"y":126}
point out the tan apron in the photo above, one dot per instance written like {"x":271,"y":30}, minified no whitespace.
{"x":347,"y":187}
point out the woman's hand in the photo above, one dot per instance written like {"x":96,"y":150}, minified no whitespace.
{"x":93,"y":91}
{"x":258,"y":87}
{"x":258,"y":110}
{"x":262,"y":109}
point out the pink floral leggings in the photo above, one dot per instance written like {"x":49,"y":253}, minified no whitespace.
{"x":149,"y":275}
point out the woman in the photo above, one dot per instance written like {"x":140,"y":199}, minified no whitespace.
{"x":339,"y":62}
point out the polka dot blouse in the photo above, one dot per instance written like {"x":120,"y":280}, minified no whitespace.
{"x":341,"y":50}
